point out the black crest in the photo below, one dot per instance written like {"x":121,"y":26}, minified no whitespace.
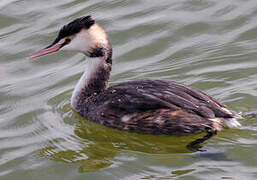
{"x":74,"y":27}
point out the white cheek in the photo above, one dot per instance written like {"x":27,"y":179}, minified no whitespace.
{"x":79,"y":43}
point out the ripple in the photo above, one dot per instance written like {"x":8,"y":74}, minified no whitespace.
{"x":210,"y":45}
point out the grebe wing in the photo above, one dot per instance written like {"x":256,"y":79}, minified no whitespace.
{"x":157,"y":106}
{"x":143,"y":95}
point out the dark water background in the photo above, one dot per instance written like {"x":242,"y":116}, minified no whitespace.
{"x":210,"y":45}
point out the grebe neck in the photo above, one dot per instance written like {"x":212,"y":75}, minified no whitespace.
{"x":93,"y":81}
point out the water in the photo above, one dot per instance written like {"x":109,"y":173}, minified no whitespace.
{"x":209,"y":45}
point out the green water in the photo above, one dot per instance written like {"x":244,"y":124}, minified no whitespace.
{"x":210,"y":45}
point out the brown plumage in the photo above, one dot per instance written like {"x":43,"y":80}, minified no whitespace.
{"x":157,"y":107}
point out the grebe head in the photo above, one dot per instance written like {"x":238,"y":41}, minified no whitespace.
{"x":81,"y":35}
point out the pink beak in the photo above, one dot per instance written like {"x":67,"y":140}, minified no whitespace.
{"x":45,"y":51}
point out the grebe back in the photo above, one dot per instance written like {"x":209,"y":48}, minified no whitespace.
{"x":148,"y":106}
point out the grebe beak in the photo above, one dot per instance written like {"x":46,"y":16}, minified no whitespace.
{"x":48,"y":50}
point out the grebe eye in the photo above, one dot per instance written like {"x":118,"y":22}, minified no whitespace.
{"x":67,"y":40}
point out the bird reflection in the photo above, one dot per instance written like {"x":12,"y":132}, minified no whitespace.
{"x":95,"y":146}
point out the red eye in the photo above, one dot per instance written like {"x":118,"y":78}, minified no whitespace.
{"x":67,"y":40}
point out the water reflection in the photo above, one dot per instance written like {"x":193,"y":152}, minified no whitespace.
{"x":94,"y":146}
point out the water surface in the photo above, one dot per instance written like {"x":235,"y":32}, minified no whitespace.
{"x":210,"y":45}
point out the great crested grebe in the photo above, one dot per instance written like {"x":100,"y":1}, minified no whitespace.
{"x":148,"y":106}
